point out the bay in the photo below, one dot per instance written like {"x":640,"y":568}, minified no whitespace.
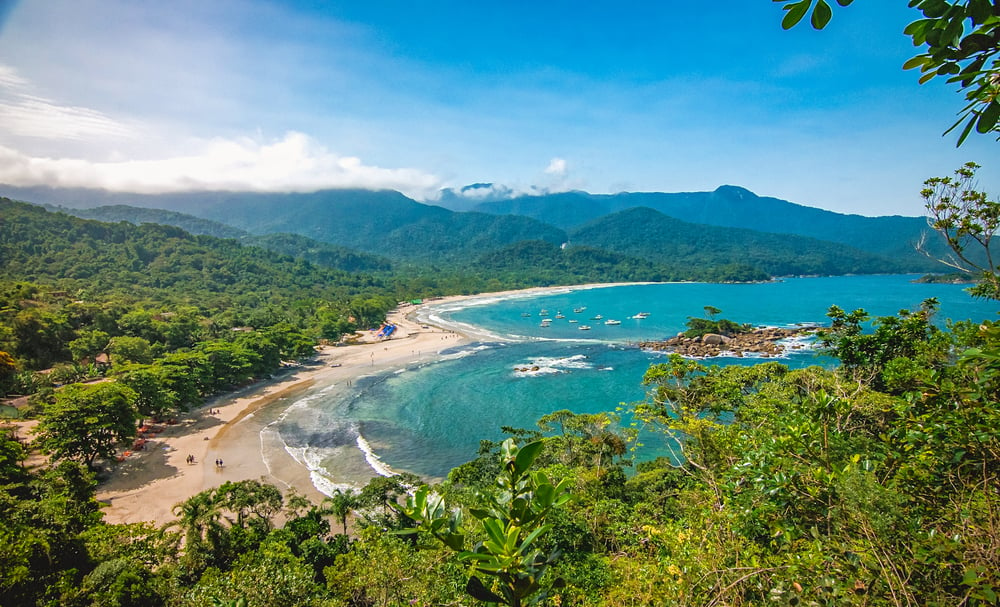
{"x":429,"y":418}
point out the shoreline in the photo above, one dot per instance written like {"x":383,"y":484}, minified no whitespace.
{"x":149,"y":483}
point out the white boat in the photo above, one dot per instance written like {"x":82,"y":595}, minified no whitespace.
{"x":612,"y":321}
{"x":580,"y":309}
{"x":641,"y":315}
{"x":584,"y":327}
{"x":598,"y":317}
{"x":525,"y":314}
{"x":560,"y":315}
{"x":573,"y":320}
{"x":546,"y":323}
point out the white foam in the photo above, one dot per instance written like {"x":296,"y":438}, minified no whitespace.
{"x":380,"y":467}
{"x":548,"y":365}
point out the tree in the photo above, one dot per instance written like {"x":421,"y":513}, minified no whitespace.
{"x":251,"y":501}
{"x":130,"y":349}
{"x":341,"y":504}
{"x":512,"y":519}
{"x":86,"y":422}
{"x":966,"y":218}
{"x":961,"y":40}
{"x":154,"y":398}
{"x":888,"y":357}
{"x":198,"y":519}
{"x":8,"y":368}
{"x":88,"y":344}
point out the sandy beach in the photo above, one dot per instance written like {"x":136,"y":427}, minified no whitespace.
{"x":149,"y":483}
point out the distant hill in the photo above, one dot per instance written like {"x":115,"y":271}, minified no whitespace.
{"x":734,"y":207}
{"x":648,"y":234}
{"x":729,"y":225}
{"x":542,"y":263}
{"x":319,"y":253}
{"x":58,"y":249}
{"x":140,"y":215}
{"x":300,"y":247}
{"x":383,"y":222}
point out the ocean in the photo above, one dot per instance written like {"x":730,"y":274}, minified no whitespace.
{"x":428,"y":418}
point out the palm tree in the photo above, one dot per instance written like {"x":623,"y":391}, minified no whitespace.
{"x":196,"y":516}
{"x":341,"y":504}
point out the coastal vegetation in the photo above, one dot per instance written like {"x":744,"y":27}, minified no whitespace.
{"x":869,"y":484}
{"x":872,"y":483}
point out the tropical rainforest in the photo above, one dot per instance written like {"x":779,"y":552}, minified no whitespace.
{"x":871,"y":483}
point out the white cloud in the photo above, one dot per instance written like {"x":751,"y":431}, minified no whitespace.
{"x":23,"y":114}
{"x":31,"y":126}
{"x":293,"y":163}
{"x":557,"y":167}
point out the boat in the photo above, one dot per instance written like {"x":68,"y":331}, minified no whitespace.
{"x":573,"y":320}
{"x":584,"y":327}
{"x":525,"y":314}
{"x":580,"y":309}
{"x":641,"y":315}
{"x":612,"y":321}
{"x":560,"y":315}
{"x":546,"y":322}
{"x":598,"y":317}
{"x":543,"y":313}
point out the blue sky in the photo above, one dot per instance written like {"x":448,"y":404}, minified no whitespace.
{"x":137,"y":95}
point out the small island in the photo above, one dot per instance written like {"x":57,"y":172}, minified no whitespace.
{"x":707,"y":338}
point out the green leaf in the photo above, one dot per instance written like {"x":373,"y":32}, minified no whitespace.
{"x":478,"y":591}
{"x":795,"y":13}
{"x":821,"y":15}
{"x":532,"y":537}
{"x":455,"y":541}
{"x":495,"y":530}
{"x":988,"y":118}
{"x":980,"y":11}
{"x":526,"y":456}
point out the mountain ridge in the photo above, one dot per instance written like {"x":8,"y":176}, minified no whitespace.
{"x":389,"y":224}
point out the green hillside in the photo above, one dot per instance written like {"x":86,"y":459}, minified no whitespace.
{"x":651,"y":235}
{"x":140,"y":215}
{"x":541,"y":263}
{"x":711,"y":229}
{"x":735,"y":207}
{"x":55,"y":248}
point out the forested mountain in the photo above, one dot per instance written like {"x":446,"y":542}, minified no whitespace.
{"x":319,"y":253}
{"x":139,"y":215}
{"x":536,"y":263}
{"x":868,"y":484}
{"x":55,"y":248}
{"x":648,"y":234}
{"x":734,"y":207}
{"x":294,"y":245}
{"x":381,"y":222}
{"x":707,"y":229}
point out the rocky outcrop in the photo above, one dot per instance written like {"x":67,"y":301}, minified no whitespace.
{"x":762,"y":341}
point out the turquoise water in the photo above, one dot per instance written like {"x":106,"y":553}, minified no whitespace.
{"x":431,"y":418}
